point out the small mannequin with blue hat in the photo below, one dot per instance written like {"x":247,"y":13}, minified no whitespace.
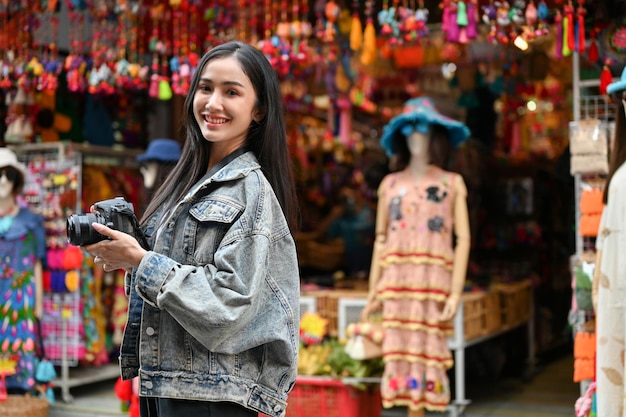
{"x":609,"y":281}
{"x":158,"y":160}
{"x":420,"y":256}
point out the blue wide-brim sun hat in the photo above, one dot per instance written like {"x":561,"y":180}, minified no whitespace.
{"x":161,"y":150}
{"x":617,"y":85}
{"x":419,"y":111}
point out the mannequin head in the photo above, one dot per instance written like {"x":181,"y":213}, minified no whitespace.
{"x":7,"y":183}
{"x":154,"y":172}
{"x":159,"y":159}
{"x":433,"y":147}
{"x":418,"y":144}
{"x":420,"y":117}
{"x":12,"y":174}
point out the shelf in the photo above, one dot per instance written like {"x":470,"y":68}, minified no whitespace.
{"x":86,"y":375}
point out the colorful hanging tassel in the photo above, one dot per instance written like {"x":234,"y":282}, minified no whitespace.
{"x":593,"y":47}
{"x":558,"y":20}
{"x":356,"y":32}
{"x":368,"y":56}
{"x":568,"y":10}
{"x":345,"y":120}
{"x":565,"y":49}
{"x":580,"y":17}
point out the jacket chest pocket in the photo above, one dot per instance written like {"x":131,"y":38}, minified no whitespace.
{"x":206,"y":226}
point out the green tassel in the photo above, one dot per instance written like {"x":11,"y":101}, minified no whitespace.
{"x":566,"y":51}
{"x":461,"y":14}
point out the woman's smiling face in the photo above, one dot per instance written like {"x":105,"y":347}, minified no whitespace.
{"x":224,"y":105}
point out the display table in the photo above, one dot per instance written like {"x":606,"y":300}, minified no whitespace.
{"x":481,"y":316}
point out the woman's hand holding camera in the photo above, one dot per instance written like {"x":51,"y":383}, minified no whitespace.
{"x":119,"y":251}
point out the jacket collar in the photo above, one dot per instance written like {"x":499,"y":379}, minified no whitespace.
{"x":239,"y":167}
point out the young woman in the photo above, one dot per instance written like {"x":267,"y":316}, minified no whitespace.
{"x":213,"y":323}
{"x":420,"y":257}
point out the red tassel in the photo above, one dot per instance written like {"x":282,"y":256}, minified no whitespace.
{"x":606,"y":78}
{"x":593,"y":48}
{"x":581,"y":26}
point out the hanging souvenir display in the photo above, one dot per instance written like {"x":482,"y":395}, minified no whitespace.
{"x":458,"y":20}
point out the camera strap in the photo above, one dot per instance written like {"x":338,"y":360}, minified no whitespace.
{"x":199,"y":190}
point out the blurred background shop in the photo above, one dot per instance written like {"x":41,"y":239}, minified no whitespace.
{"x":87,"y":86}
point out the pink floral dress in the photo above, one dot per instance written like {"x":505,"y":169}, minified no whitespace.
{"x":415,"y":282}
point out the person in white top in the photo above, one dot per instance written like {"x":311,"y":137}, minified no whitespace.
{"x":609,"y":282}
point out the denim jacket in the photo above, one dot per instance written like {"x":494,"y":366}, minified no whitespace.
{"x":214,"y":307}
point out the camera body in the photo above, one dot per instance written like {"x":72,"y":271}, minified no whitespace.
{"x":115,"y":213}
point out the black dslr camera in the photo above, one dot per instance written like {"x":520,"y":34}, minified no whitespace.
{"x":116,"y":213}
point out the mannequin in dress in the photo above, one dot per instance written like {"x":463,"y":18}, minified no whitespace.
{"x":609,"y":282}
{"x":22,"y":249}
{"x":418,"y":273}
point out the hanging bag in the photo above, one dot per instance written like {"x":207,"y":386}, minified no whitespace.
{"x":365,"y":340}
{"x":588,"y":137}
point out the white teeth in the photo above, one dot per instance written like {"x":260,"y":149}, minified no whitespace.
{"x":215,"y":121}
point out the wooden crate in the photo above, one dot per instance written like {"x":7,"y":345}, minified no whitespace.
{"x":515,"y":302}
{"x":481,"y":314}
{"x":327,"y":305}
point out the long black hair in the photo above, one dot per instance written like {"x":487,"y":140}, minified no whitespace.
{"x":618,"y":151}
{"x":267,"y":138}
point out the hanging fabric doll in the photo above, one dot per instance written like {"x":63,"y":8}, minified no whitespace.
{"x":22,"y":249}
{"x":531,"y":14}
{"x":606,"y":77}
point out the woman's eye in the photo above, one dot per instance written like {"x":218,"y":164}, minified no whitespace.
{"x":231,"y":92}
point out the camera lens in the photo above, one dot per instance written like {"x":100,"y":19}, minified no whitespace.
{"x":79,"y":229}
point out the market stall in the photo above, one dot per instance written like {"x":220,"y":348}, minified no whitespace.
{"x":87,"y":76}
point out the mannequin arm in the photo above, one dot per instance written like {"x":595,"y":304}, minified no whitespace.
{"x":596,"y":281}
{"x":375,"y":269}
{"x":461,"y":249}
{"x":38,"y":272}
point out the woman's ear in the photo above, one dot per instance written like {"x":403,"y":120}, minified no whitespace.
{"x":258,"y":115}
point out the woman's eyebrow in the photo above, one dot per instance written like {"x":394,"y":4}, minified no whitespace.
{"x":235,"y":83}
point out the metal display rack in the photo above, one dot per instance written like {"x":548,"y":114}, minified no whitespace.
{"x":52,"y":189}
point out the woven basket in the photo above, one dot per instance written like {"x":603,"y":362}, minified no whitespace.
{"x":23,"y":406}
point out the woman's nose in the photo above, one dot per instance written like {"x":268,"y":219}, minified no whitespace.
{"x":214,"y":102}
